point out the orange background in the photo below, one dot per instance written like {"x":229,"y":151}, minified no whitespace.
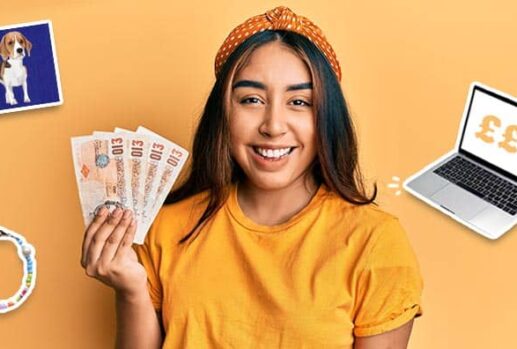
{"x":406,"y":70}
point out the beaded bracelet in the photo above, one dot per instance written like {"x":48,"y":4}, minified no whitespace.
{"x":27,"y":253}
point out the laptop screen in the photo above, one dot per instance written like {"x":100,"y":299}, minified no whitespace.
{"x":491,"y":130}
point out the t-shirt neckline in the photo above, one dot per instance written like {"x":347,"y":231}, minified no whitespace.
{"x":237,"y":213}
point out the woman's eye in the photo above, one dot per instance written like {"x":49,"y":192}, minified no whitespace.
{"x":253,"y":99}
{"x":301,"y":100}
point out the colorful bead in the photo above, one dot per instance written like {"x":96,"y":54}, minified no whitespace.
{"x":25,"y":252}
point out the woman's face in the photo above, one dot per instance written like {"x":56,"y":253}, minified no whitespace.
{"x":272,"y":126}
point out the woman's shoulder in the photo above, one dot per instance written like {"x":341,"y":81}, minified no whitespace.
{"x":175,"y":219}
{"x":363,"y":215}
{"x":368,"y":228}
{"x":186,"y":205}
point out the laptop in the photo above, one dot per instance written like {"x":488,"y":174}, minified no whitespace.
{"x":476,"y":182}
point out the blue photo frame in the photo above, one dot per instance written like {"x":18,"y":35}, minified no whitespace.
{"x":39,"y":58}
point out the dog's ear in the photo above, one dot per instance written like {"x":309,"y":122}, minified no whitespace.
{"x":3,"y":48}
{"x":28,"y":45}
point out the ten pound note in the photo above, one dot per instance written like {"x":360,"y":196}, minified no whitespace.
{"x":126,"y":169}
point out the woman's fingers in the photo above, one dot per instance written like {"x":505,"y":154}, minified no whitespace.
{"x":109,"y":257}
{"x":97,"y":222}
{"x":99,"y":238}
{"x":113,"y":241}
{"x":127,"y":241}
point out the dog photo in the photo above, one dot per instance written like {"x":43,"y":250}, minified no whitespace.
{"x":29,"y":75}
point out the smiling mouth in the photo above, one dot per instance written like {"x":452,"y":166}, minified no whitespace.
{"x":273,"y":154}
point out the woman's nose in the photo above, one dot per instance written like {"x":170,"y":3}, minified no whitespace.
{"x":274,"y":122}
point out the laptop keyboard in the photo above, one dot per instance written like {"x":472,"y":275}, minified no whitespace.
{"x":481,"y":183}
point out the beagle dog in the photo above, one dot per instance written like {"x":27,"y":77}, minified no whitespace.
{"x":13,"y":48}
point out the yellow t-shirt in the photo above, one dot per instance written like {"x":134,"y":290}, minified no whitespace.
{"x":333,"y":271}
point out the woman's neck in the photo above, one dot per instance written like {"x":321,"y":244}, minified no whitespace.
{"x":275,"y":206}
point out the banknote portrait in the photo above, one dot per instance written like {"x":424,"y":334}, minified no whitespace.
{"x":29,"y":75}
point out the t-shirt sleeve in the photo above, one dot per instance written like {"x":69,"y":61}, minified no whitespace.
{"x":390,"y":284}
{"x":149,"y":255}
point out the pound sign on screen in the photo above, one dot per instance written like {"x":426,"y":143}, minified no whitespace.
{"x":484,"y":133}
{"x":510,"y":135}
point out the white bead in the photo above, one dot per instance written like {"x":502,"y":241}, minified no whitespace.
{"x":26,"y":249}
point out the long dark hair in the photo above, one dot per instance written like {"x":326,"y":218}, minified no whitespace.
{"x":212,"y":167}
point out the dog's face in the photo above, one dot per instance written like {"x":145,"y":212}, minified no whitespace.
{"x":14,"y":45}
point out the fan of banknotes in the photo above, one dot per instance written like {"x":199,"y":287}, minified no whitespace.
{"x":126,"y":169}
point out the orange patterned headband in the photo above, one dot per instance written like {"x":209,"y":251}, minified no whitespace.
{"x":280,"y":18}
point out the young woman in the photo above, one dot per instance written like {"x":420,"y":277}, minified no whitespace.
{"x":271,"y":241}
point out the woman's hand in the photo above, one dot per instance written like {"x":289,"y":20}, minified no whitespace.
{"x":107,"y":254}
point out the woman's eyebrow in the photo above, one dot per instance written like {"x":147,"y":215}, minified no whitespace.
{"x":259,"y":85}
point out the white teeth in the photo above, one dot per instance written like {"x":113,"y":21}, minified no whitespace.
{"x":270,"y":153}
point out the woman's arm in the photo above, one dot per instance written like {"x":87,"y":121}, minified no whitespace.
{"x":138,"y":325}
{"x":107,"y":255}
{"x":395,"y":339}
